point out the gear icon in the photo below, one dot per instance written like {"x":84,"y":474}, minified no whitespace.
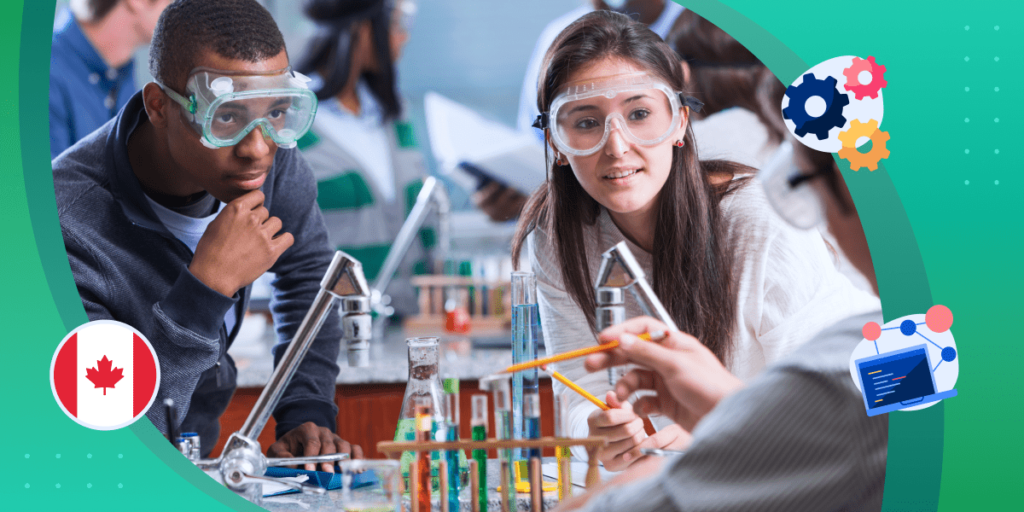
{"x":878,"y":140}
{"x":832,"y":118}
{"x":799,"y":94}
{"x":853,"y":72}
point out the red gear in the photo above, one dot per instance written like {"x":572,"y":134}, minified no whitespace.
{"x":860,"y":90}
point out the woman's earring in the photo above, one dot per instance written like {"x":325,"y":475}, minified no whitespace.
{"x":560,"y":160}
{"x":679,"y":143}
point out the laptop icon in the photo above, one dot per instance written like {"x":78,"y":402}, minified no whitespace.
{"x":898,"y":379}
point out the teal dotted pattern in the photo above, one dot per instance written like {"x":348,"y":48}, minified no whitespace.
{"x":987,"y":72}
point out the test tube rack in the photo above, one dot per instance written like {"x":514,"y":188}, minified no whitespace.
{"x":394,"y":450}
{"x":495,"y":319}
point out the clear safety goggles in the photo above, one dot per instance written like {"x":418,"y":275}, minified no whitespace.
{"x":646,"y":111}
{"x":224,"y":107}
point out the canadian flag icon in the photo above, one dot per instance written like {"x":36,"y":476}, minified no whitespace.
{"x":105,"y":375}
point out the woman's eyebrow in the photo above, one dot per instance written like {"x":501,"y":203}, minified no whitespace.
{"x":581,"y":108}
{"x":636,"y":97}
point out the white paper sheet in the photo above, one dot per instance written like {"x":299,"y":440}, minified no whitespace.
{"x":459,"y":134}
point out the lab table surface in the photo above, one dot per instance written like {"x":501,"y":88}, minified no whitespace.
{"x":332,"y":500}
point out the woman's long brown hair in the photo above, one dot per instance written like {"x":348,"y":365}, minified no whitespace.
{"x":692,"y":265}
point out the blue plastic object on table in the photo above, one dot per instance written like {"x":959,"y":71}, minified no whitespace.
{"x":329,"y":481}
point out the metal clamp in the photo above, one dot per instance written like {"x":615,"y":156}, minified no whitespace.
{"x":620,"y":271}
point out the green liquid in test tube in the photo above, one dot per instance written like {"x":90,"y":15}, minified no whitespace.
{"x":562,"y":454}
{"x":479,"y":424}
{"x":451,"y":391}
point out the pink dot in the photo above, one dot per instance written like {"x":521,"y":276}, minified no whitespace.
{"x":939,"y":318}
{"x":871,"y":331}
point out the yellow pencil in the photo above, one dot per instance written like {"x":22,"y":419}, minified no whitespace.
{"x":572,"y":385}
{"x":572,"y":354}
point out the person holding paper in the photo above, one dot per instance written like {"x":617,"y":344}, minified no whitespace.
{"x":730,"y":272}
{"x":363,"y":154}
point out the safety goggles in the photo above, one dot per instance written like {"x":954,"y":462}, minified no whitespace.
{"x":224,"y":107}
{"x":645,"y":111}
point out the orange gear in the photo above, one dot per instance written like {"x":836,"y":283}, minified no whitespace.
{"x":856,"y":158}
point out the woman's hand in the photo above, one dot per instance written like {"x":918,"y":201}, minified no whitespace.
{"x":624,"y":430}
{"x":687,"y":377}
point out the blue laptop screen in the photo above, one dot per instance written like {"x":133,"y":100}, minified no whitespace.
{"x":896,"y":378}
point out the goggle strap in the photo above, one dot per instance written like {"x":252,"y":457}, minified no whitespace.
{"x":689,"y":101}
{"x":541,"y":123}
{"x":189,"y":104}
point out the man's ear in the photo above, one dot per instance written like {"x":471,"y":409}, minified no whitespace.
{"x":158,"y":104}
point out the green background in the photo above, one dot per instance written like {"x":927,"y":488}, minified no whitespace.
{"x":941,"y":217}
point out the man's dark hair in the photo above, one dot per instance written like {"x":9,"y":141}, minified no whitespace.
{"x":234,"y":29}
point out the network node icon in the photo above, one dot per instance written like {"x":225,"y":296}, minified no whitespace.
{"x":909,"y":363}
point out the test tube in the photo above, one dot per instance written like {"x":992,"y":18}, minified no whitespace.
{"x":525,"y":340}
{"x":451,"y":393}
{"x":501,"y":386}
{"x":423,"y":429}
{"x":479,"y":424}
{"x":562,"y":454}
{"x":531,"y":410}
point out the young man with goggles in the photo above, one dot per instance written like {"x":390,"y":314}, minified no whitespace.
{"x":172,"y":209}
{"x":224,"y":107}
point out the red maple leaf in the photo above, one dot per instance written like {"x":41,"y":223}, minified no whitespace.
{"x":104,"y":377}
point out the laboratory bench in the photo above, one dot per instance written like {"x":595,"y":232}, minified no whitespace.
{"x":332,"y":500}
{"x":370,"y":399}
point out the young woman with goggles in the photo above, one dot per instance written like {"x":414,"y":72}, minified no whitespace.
{"x":732,"y":274}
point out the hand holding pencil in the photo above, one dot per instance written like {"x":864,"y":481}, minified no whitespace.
{"x":687,"y":378}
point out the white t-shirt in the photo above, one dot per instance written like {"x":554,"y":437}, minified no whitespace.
{"x":788,"y":289}
{"x":189,"y":230}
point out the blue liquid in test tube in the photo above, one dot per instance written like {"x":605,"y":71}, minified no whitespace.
{"x":525,"y":340}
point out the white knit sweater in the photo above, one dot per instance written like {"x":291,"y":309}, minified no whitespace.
{"x":788,"y":289}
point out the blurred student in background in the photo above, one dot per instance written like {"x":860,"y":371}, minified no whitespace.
{"x":504,"y":203}
{"x":92,"y":73}
{"x":741,"y":120}
{"x":363,"y":154}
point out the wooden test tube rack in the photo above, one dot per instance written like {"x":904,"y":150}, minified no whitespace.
{"x":394,"y":450}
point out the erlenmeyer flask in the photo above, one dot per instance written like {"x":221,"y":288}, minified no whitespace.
{"x":424,"y":382}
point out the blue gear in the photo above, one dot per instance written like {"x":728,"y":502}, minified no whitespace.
{"x":832,"y":118}
{"x":798,"y":96}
